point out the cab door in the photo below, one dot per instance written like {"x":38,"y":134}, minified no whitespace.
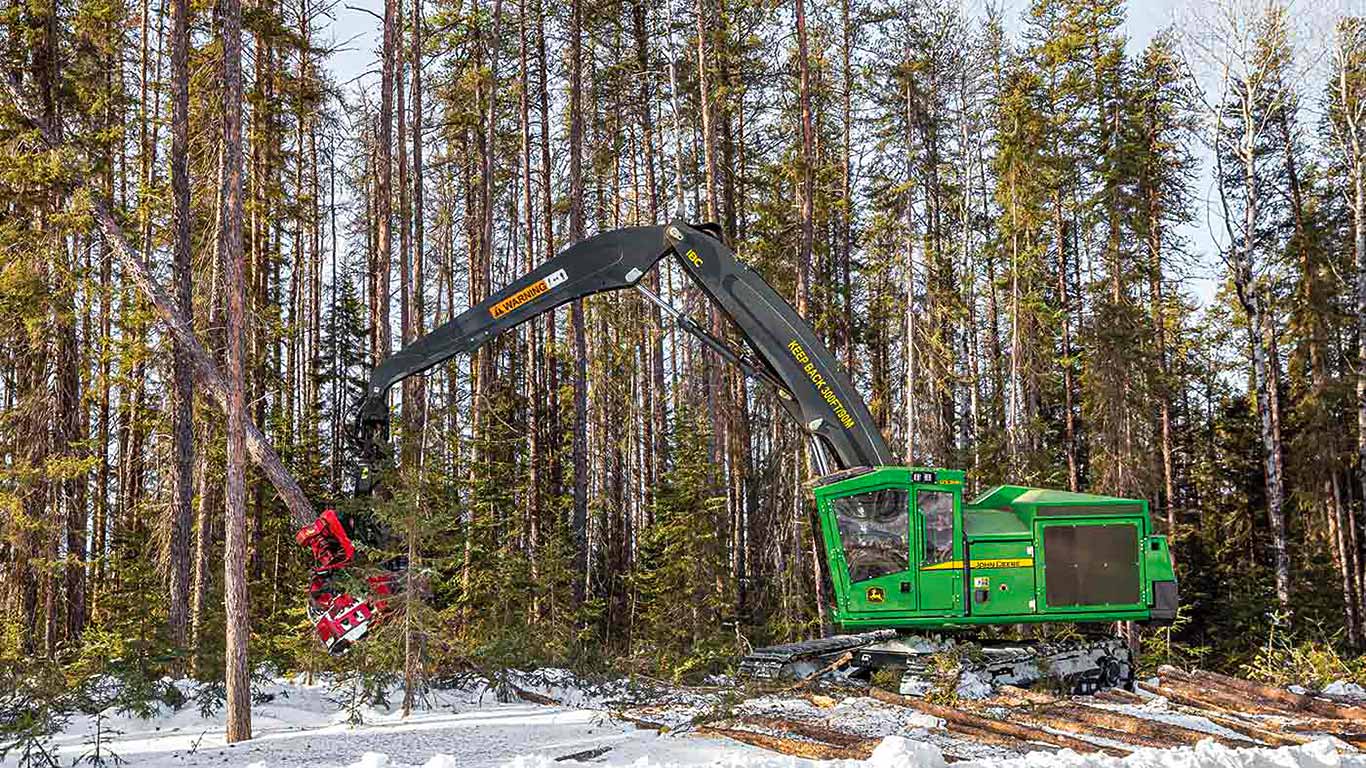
{"x":937,"y":549}
{"x":872,"y":555}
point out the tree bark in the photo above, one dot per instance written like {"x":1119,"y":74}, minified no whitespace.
{"x":806,"y":215}
{"x":238,"y":617}
{"x":416,"y":392}
{"x":579,"y":522}
{"x":182,"y":462}
{"x":384,"y":192}
{"x":1261,"y":326}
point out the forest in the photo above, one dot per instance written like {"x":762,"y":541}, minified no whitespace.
{"x":1046,"y":253}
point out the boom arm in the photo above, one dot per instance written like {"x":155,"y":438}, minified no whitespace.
{"x":812,"y":388}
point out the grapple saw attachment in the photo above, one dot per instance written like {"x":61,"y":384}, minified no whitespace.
{"x":339,"y":617}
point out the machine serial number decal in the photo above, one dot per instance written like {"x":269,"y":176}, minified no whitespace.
{"x":528,"y":293}
{"x":1017,"y":562}
{"x":818,"y":379}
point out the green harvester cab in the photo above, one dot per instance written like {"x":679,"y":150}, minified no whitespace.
{"x":906,"y":552}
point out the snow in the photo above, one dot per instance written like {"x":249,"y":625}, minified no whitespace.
{"x":970,"y":686}
{"x":1344,"y":688}
{"x":298,"y":725}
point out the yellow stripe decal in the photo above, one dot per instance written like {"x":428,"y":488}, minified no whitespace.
{"x":1016,"y":562}
{"x":528,"y":293}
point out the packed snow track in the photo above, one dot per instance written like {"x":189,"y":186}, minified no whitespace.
{"x":300,"y":725}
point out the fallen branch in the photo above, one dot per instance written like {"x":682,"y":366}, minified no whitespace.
{"x":843,"y":659}
{"x":587,"y":754}
{"x":204,"y":368}
{"x":1023,"y":732}
{"x":640,"y":722}
{"x":532,"y":696}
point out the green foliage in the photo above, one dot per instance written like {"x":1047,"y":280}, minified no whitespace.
{"x":1160,"y":646}
{"x":682,"y":577}
{"x":1307,"y":656}
{"x":35,"y":705}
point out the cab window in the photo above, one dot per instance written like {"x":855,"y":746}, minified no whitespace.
{"x":874,"y":527}
{"x":936,"y":508}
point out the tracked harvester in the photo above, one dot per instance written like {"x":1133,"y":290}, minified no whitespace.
{"x":912,"y":562}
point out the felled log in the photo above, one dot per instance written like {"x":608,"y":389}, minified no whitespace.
{"x":1151,"y":731}
{"x":1042,"y":718}
{"x":1119,"y":696}
{"x":1288,"y":699}
{"x":1225,"y":698}
{"x":1023,"y":732}
{"x":786,"y":745}
{"x":1225,"y":720}
{"x":1204,"y":701}
{"x":813,"y":731}
{"x":981,"y":736}
{"x":1011,"y":695}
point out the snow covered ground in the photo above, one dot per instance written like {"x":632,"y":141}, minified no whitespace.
{"x":300,"y":726}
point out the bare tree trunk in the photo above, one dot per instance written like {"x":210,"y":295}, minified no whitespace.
{"x":417,"y":391}
{"x":182,"y":462}
{"x":534,"y":393}
{"x":1271,"y":436}
{"x":806,"y":214}
{"x":1358,"y":174}
{"x":657,"y":420}
{"x":1261,"y":327}
{"x":1064,"y":306}
{"x":384,"y":192}
{"x":238,"y":616}
{"x":579,"y":523}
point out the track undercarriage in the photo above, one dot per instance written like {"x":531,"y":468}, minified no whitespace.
{"x":1081,"y":666}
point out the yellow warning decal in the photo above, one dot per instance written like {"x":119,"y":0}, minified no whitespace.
{"x":1017,"y":562}
{"x":818,"y":380}
{"x":528,"y":293}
